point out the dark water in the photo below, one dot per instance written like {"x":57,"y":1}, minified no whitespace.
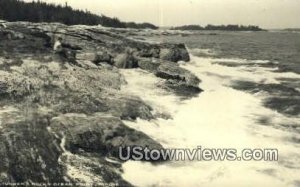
{"x":281,"y":47}
{"x":279,"y":51}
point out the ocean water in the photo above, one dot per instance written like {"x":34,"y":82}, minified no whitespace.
{"x":276,"y":46}
{"x":250,"y":100}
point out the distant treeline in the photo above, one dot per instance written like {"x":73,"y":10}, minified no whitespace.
{"x":17,"y":10}
{"x":219,"y":27}
{"x":292,"y":29}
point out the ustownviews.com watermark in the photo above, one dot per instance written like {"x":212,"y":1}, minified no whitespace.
{"x":199,"y":154}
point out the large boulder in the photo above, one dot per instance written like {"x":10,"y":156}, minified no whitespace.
{"x":104,"y":56}
{"x":100,"y":133}
{"x":178,"y":79}
{"x":126,"y":61}
{"x":129,"y":108}
{"x":152,"y":51}
{"x":96,"y":57}
{"x":174,"y":53}
{"x":166,"y":51}
{"x":150,"y":65}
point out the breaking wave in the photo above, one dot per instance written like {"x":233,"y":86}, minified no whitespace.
{"x":223,"y":116}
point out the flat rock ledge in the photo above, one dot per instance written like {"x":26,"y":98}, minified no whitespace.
{"x":61,"y":111}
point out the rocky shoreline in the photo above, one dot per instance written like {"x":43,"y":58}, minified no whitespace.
{"x":61,"y":112}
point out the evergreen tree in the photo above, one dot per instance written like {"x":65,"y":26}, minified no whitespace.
{"x":38,"y":11}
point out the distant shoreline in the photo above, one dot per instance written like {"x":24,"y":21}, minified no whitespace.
{"x":291,"y":29}
{"x":218,"y":28}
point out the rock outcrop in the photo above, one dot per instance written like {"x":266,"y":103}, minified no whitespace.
{"x":61,"y":112}
{"x":126,"y":60}
{"x":99,"y":133}
{"x":178,"y":79}
{"x":174,"y":53}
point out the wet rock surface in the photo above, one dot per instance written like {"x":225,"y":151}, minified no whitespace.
{"x":61,"y":111}
{"x":99,"y":133}
{"x":178,"y":79}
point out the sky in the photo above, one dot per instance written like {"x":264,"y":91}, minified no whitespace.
{"x":264,"y":13}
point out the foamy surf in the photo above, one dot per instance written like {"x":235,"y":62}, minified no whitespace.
{"x":220,"y":117}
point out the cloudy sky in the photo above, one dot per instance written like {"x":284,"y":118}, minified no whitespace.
{"x":265,"y":13}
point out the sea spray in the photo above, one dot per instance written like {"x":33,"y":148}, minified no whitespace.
{"x":220,"y":117}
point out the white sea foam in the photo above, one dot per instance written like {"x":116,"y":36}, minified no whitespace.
{"x":220,"y":117}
